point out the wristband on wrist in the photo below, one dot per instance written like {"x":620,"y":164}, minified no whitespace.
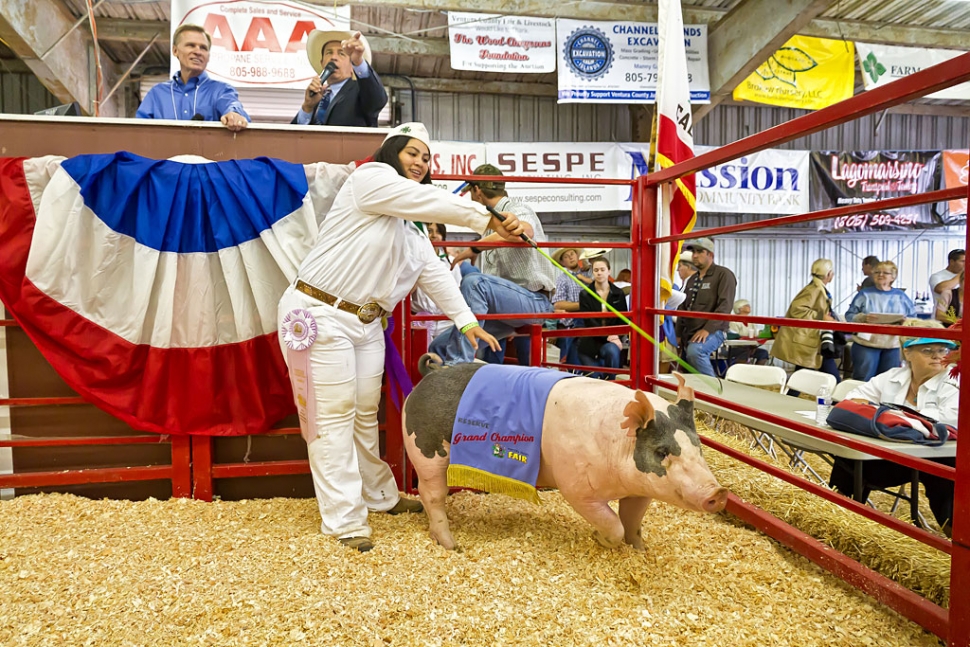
{"x":475,"y":250}
{"x":468,"y":327}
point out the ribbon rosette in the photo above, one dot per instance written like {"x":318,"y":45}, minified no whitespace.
{"x":299,"y":329}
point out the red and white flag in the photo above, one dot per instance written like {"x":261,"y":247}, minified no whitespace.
{"x":674,"y":139}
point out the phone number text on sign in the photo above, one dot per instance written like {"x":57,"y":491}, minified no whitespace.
{"x":262,"y":72}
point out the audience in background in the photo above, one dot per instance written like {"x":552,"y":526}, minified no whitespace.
{"x":603,"y":350}
{"x":924,"y":385}
{"x":566,"y":299}
{"x":949,"y":308}
{"x":739,"y":329}
{"x":803,"y":346}
{"x":868,"y":265}
{"x":873,"y":354}
{"x":711,"y":289}
{"x":943,"y":283}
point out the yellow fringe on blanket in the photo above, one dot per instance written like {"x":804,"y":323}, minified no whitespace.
{"x":470,"y":477}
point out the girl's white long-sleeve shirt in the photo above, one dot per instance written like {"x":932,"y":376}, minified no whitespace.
{"x":369,"y":248}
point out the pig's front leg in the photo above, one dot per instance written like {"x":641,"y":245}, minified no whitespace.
{"x":631,"y":515}
{"x":609,"y":529}
{"x":434,"y":493}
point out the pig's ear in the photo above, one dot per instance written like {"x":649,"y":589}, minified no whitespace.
{"x":638,"y":413}
{"x":684,"y":392}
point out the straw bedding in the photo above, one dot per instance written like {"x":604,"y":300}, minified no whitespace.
{"x":81,"y":572}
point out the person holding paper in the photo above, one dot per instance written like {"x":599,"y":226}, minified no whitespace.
{"x":882,"y":304}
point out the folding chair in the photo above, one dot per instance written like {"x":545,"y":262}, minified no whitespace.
{"x":811,"y":382}
{"x":808,"y":381}
{"x":843,"y":389}
{"x":763,"y":376}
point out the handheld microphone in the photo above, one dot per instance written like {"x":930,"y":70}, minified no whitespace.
{"x":330,"y":68}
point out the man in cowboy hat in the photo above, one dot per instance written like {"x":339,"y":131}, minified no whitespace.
{"x":353,"y":94}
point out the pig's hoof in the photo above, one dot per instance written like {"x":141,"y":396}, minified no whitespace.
{"x":448,"y":543}
{"x":430,"y":362}
{"x":606,"y":542}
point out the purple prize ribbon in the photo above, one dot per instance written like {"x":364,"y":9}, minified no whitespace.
{"x":397,"y":374}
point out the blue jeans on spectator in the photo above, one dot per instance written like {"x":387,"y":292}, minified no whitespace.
{"x":487,"y":294}
{"x":698,"y":355}
{"x":568,"y":350}
{"x":867,"y":362}
{"x":609,"y":357}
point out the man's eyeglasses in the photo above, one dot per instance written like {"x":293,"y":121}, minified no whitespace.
{"x":933,"y":351}
{"x":882,"y":273}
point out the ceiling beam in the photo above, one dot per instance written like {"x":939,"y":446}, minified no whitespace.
{"x":888,"y":34}
{"x":42,"y":35}
{"x":117,"y":29}
{"x":735,"y":50}
{"x":114,"y":29}
{"x":580,"y":10}
{"x":461,"y":86}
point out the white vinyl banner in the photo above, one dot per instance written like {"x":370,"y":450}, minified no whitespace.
{"x":258,"y":44}
{"x":617,"y":62}
{"x":455,"y":158}
{"x":494,"y":43}
{"x":771,"y":182}
{"x":882,"y":64}
{"x":565,"y":160}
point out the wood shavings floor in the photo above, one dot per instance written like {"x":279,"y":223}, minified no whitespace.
{"x":81,"y":572}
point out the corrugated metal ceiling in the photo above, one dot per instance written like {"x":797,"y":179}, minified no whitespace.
{"x":377,"y":20}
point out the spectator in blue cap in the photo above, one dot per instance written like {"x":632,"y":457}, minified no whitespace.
{"x":924,"y":385}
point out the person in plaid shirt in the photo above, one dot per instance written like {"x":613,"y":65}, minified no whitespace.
{"x":507,"y":280}
{"x":566,"y":299}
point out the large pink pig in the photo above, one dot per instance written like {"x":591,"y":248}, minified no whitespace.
{"x":600,"y":442}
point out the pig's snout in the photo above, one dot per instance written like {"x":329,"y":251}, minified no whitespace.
{"x":716,"y":501}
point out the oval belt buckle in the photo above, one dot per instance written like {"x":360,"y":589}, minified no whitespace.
{"x":368,"y":312}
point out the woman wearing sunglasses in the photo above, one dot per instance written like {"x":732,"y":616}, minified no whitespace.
{"x":924,"y":385}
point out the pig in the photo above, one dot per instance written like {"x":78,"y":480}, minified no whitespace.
{"x":600,"y":442}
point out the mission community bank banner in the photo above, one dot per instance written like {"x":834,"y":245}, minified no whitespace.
{"x":258,"y":44}
{"x":769,"y":182}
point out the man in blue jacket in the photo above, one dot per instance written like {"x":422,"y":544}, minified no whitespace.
{"x":353,"y":94}
{"x":191,"y":95}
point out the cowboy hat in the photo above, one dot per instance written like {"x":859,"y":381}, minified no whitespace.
{"x":557,"y":255}
{"x":592,"y":253}
{"x":318,"y":38}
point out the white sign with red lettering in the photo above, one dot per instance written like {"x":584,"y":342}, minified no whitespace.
{"x":455,"y":158}
{"x":258,"y":44}
{"x":494,"y":43}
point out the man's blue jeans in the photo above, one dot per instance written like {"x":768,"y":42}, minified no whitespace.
{"x":868,"y":362}
{"x":698,"y":355}
{"x":487,"y":294}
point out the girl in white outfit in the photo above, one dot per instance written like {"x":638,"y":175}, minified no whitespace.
{"x":368,"y":256}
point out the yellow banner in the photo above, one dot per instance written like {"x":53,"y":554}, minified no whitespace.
{"x":808,"y":73}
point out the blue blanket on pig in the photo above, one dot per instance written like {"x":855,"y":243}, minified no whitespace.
{"x":497,"y":435}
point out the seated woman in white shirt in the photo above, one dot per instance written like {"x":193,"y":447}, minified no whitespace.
{"x":368,"y":256}
{"x":922,"y":384}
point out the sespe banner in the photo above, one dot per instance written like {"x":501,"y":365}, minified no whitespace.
{"x":769,"y":182}
{"x":808,"y":73}
{"x":495,"y":43}
{"x":882,"y":64}
{"x":258,"y":44}
{"x":617,"y":62}
{"x":955,"y":171}
{"x":858,"y":177}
